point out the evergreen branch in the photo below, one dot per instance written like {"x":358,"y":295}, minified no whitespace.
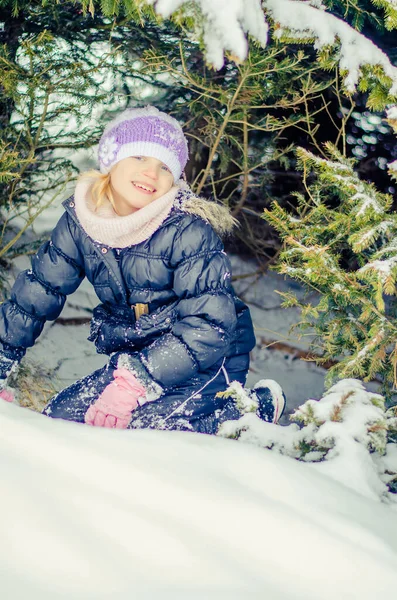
{"x":221,"y":130}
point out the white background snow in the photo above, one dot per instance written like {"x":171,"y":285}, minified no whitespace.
{"x":90,"y":514}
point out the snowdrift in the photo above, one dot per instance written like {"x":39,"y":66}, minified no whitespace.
{"x":92,"y":514}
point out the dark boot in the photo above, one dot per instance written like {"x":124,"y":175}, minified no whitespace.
{"x":271,"y":400}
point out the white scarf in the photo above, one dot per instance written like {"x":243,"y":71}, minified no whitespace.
{"x":104,"y":225}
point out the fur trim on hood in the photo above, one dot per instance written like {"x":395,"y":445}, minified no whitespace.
{"x":217,"y":215}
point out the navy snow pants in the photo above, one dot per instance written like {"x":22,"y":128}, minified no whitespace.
{"x":191,"y":406}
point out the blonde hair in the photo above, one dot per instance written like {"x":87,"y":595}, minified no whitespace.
{"x":101,"y":189}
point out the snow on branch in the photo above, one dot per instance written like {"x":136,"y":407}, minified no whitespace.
{"x":392,"y":120}
{"x":347,"y":434}
{"x":392,"y":113}
{"x":227,"y":23}
{"x":355,"y":49}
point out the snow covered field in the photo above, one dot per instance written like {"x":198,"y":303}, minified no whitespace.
{"x":91,"y":514}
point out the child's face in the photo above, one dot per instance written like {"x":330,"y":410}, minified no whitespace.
{"x":137,"y":181}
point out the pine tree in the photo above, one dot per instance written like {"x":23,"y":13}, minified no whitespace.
{"x":348,"y":425}
{"x":342,"y":243}
{"x":60,"y":70}
{"x":243,"y":119}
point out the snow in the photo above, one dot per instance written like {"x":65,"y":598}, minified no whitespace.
{"x":91,"y":514}
{"x":227,"y":24}
{"x":392,"y":112}
{"x":355,"y":49}
{"x":381,"y":228}
{"x":345,"y":433}
{"x":383,"y":267}
{"x":365,"y":201}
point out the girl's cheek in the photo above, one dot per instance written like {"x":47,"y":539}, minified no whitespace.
{"x":170,"y":180}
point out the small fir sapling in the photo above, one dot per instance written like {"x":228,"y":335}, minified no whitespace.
{"x":341,"y":243}
{"x":347,"y":426}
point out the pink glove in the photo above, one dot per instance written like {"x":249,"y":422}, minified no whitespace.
{"x":7,"y":395}
{"x":117,"y":401}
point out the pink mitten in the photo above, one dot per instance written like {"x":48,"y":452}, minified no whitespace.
{"x":117,"y":401}
{"x":7,"y":395}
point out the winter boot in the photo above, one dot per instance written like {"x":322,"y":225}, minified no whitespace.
{"x":271,"y":400}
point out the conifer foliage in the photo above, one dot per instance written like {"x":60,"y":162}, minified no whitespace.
{"x":341,"y":242}
{"x":243,"y":119}
{"x":349,"y":427}
{"x":51,"y":83}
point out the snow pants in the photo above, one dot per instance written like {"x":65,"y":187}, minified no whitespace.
{"x":191,"y":406}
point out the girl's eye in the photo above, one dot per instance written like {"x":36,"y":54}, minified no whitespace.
{"x":139,"y":157}
{"x":165,"y":168}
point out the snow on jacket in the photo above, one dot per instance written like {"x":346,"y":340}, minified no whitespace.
{"x":181,"y":273}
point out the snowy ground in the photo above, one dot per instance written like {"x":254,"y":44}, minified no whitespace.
{"x":95,"y":514}
{"x":91,"y":514}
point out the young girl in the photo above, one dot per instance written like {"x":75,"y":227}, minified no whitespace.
{"x":169,"y":319}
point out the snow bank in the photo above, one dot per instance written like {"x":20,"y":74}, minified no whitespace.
{"x":347,"y":434}
{"x":92,"y":514}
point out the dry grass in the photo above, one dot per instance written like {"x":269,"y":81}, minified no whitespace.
{"x":34,"y":385}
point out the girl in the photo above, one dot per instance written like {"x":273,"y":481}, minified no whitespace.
{"x":169,"y":319}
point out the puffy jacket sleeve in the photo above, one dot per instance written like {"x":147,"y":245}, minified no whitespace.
{"x":206,"y":308}
{"x":39,"y":293}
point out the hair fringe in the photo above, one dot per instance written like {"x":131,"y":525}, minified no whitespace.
{"x":101,"y":190}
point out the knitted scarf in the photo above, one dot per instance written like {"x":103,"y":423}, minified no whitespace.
{"x":104,"y":225}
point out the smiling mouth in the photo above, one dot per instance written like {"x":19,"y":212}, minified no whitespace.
{"x":144,"y":188}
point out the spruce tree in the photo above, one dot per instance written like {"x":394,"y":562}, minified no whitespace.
{"x":243,"y":118}
{"x":341,"y":242}
{"x":60,"y":70}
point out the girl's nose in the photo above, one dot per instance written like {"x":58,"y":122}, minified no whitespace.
{"x":151,"y":171}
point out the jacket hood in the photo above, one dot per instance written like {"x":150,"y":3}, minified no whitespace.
{"x":217,"y":215}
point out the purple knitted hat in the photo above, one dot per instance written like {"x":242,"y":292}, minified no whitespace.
{"x":144,"y":132}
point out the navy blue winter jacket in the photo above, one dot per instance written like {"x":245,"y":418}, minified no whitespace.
{"x":181,"y":272}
